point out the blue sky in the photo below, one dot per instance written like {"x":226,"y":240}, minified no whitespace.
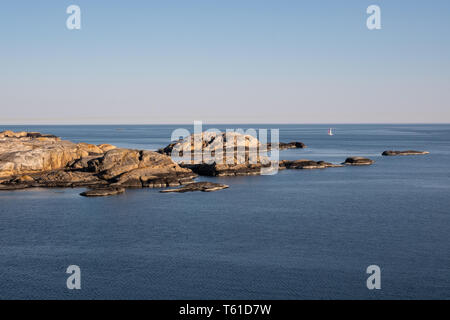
{"x":233,"y":61}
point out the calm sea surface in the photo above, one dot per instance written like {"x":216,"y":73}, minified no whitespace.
{"x":296,"y":235}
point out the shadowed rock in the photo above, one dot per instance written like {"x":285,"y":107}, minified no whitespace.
{"x":307,"y":164}
{"x":289,"y":145}
{"x":102,"y":192}
{"x":358,"y":161}
{"x":403,"y":153}
{"x":221,"y":170}
{"x":198,"y":186}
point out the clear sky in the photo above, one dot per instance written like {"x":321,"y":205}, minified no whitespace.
{"x":224,"y":61}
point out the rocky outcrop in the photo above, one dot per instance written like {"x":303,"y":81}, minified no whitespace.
{"x":198,"y":186}
{"x":26,"y":161}
{"x":33,"y":135}
{"x":26,"y":153}
{"x":358,"y":161}
{"x":207,"y":143}
{"x":307,"y":164}
{"x":224,"y":154}
{"x":139,"y":168}
{"x":404,"y":153}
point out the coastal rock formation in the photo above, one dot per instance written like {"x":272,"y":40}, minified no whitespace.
{"x":198,"y":186}
{"x":307,"y":164}
{"x":403,"y":153}
{"x":207,"y":142}
{"x":25,"y":153}
{"x":219,"y":154}
{"x":36,"y":160}
{"x":28,"y":161}
{"x":33,"y":135}
{"x":358,"y":161}
{"x":139,"y":168}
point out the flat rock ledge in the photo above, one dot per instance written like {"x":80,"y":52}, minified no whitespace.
{"x":403,"y":153}
{"x":102,"y":192}
{"x":307,"y":164}
{"x":358,"y":161}
{"x":198,"y":186}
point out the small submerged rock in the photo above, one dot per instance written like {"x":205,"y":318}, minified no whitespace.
{"x":403,"y":153}
{"x":198,"y":186}
{"x":102,"y":192}
{"x":358,"y":161}
{"x":307,"y":164}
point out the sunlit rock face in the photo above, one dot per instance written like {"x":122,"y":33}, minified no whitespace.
{"x":220,"y":154}
{"x":36,"y":160}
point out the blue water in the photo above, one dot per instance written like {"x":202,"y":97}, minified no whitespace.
{"x":296,"y":235}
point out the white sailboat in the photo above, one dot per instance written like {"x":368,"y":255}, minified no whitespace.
{"x":330,"y":132}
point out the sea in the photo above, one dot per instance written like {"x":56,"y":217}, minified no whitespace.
{"x":298,"y":234}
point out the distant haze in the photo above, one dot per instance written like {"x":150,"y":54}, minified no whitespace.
{"x":234,"y":61}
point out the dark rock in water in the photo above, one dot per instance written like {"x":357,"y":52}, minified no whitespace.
{"x":290,"y":145}
{"x":198,"y":186}
{"x":403,"y":153}
{"x":306,"y":164}
{"x":221,"y":170}
{"x":102,"y":192}
{"x":358,"y":161}
{"x":329,"y":164}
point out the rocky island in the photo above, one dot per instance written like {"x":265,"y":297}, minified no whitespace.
{"x":403,"y":153}
{"x":32,"y":159}
{"x":358,"y":161}
{"x":198,"y":186}
{"x":307,"y":164}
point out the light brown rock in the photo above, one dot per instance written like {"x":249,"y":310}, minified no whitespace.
{"x":27,"y":161}
{"x":106,"y":147}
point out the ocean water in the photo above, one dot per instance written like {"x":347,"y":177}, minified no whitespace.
{"x":296,"y":235}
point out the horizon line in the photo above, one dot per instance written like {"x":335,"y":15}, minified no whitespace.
{"x":225,"y":123}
